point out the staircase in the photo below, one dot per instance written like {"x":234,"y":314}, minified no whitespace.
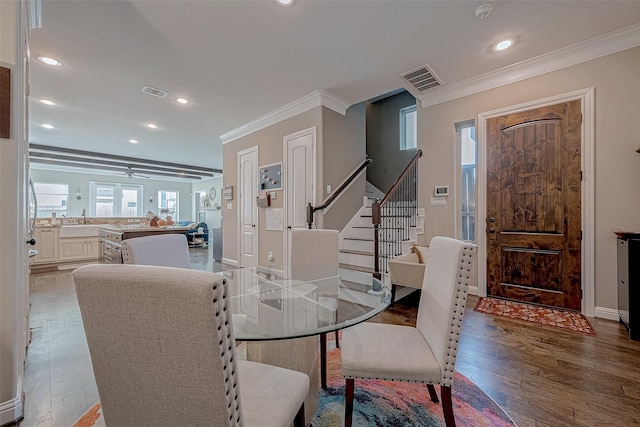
{"x":385,"y":226}
{"x":357,"y":248}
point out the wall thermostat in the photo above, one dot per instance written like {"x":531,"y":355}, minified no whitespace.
{"x":441,"y":190}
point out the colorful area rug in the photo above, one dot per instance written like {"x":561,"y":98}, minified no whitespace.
{"x":383,"y":403}
{"x":544,"y":316}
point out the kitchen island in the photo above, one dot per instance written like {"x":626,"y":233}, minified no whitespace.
{"x":111,"y":238}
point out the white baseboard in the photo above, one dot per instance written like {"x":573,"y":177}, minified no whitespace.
{"x":12,"y":410}
{"x":473,"y":290}
{"x":230,"y":261}
{"x":606,"y":313}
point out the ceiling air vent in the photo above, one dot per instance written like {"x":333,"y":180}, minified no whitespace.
{"x":154,"y":91}
{"x":421,"y":79}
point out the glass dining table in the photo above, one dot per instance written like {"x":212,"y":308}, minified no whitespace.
{"x":282,"y":317}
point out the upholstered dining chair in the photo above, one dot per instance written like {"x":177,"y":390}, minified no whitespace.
{"x":163,"y":352}
{"x":169,"y":250}
{"x":314,"y":256}
{"x":425,"y":353}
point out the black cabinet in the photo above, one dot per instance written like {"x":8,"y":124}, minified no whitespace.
{"x":629,"y":282}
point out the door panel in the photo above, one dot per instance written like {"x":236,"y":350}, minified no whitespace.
{"x":534,"y":206}
{"x":300,"y":167}
{"x":248,"y":215}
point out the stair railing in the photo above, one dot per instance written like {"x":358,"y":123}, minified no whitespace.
{"x":311,"y":210}
{"x":394,"y":215}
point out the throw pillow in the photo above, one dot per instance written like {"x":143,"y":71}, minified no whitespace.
{"x":417,"y":251}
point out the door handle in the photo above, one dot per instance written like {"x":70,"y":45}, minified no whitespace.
{"x":253,"y":225}
{"x":492,"y":219}
{"x":492,"y":230}
{"x":289,"y":227}
{"x":31,"y":242}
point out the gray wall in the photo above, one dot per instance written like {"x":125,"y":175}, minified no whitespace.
{"x":344,"y":150}
{"x":383,"y":140}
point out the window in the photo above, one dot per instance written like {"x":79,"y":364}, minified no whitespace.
{"x":51,"y":198}
{"x":408,"y":128}
{"x":468,"y":156}
{"x":168,"y":204}
{"x":115,"y":200}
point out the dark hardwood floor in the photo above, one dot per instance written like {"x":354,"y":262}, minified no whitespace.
{"x":540,"y":376}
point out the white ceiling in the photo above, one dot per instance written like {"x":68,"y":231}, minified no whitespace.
{"x":239,"y":60}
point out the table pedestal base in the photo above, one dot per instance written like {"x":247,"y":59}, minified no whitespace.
{"x":300,"y":354}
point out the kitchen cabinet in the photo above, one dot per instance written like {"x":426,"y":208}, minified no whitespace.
{"x":78,"y":248}
{"x":46,"y":245}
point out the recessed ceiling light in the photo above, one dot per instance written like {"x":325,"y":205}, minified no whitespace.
{"x":285,"y":2}
{"x":182,"y":101}
{"x":49,"y":61}
{"x":47,"y":102}
{"x":47,"y":126}
{"x":502,"y":45}
{"x":152,"y":126}
{"x":133,"y":141}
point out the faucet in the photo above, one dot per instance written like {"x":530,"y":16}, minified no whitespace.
{"x":84,"y":216}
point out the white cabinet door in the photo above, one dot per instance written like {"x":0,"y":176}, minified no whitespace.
{"x":46,"y":243}
{"x":77,"y":248}
{"x":72,"y":248}
{"x":93,"y":248}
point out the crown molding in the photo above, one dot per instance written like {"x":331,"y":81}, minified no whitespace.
{"x":306,"y":103}
{"x":607,"y":44}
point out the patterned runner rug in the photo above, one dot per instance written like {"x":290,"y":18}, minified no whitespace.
{"x":544,"y":316}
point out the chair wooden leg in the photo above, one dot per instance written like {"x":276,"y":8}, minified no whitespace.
{"x":432,"y":393}
{"x":447,"y":406}
{"x":299,"y":420}
{"x":393,"y":294}
{"x":323,"y":360}
{"x":337,"y":339}
{"x":348,"y":407}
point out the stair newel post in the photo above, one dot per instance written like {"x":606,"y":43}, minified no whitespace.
{"x":375,"y":219}
{"x":310,"y":212}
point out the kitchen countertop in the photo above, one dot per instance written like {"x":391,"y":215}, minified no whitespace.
{"x":135,"y":228}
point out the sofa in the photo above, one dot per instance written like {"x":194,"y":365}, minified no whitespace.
{"x":408,"y":269}
{"x":194,"y":229}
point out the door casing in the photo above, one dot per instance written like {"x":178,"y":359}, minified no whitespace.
{"x":586,"y":97}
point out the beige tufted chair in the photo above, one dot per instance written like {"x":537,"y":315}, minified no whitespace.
{"x":163,"y":352}
{"x":425,"y":353}
{"x":169,"y":250}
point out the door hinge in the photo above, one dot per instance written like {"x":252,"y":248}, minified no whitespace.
{"x":580,"y":117}
{"x":581,"y":175}
{"x":580,"y":235}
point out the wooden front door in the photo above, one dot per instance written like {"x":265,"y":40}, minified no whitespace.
{"x":534,"y":206}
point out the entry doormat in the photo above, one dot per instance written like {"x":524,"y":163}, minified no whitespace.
{"x":544,"y":316}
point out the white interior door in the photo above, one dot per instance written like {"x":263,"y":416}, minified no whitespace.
{"x":248,"y":210}
{"x":300,"y":176}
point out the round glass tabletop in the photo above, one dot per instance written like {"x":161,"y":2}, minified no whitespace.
{"x":269,"y":306}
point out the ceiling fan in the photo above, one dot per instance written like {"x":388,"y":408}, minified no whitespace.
{"x":131,"y":173}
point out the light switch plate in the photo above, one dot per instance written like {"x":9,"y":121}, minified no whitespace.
{"x":228,"y":205}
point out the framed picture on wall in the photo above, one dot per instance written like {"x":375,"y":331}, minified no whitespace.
{"x":228,"y":192}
